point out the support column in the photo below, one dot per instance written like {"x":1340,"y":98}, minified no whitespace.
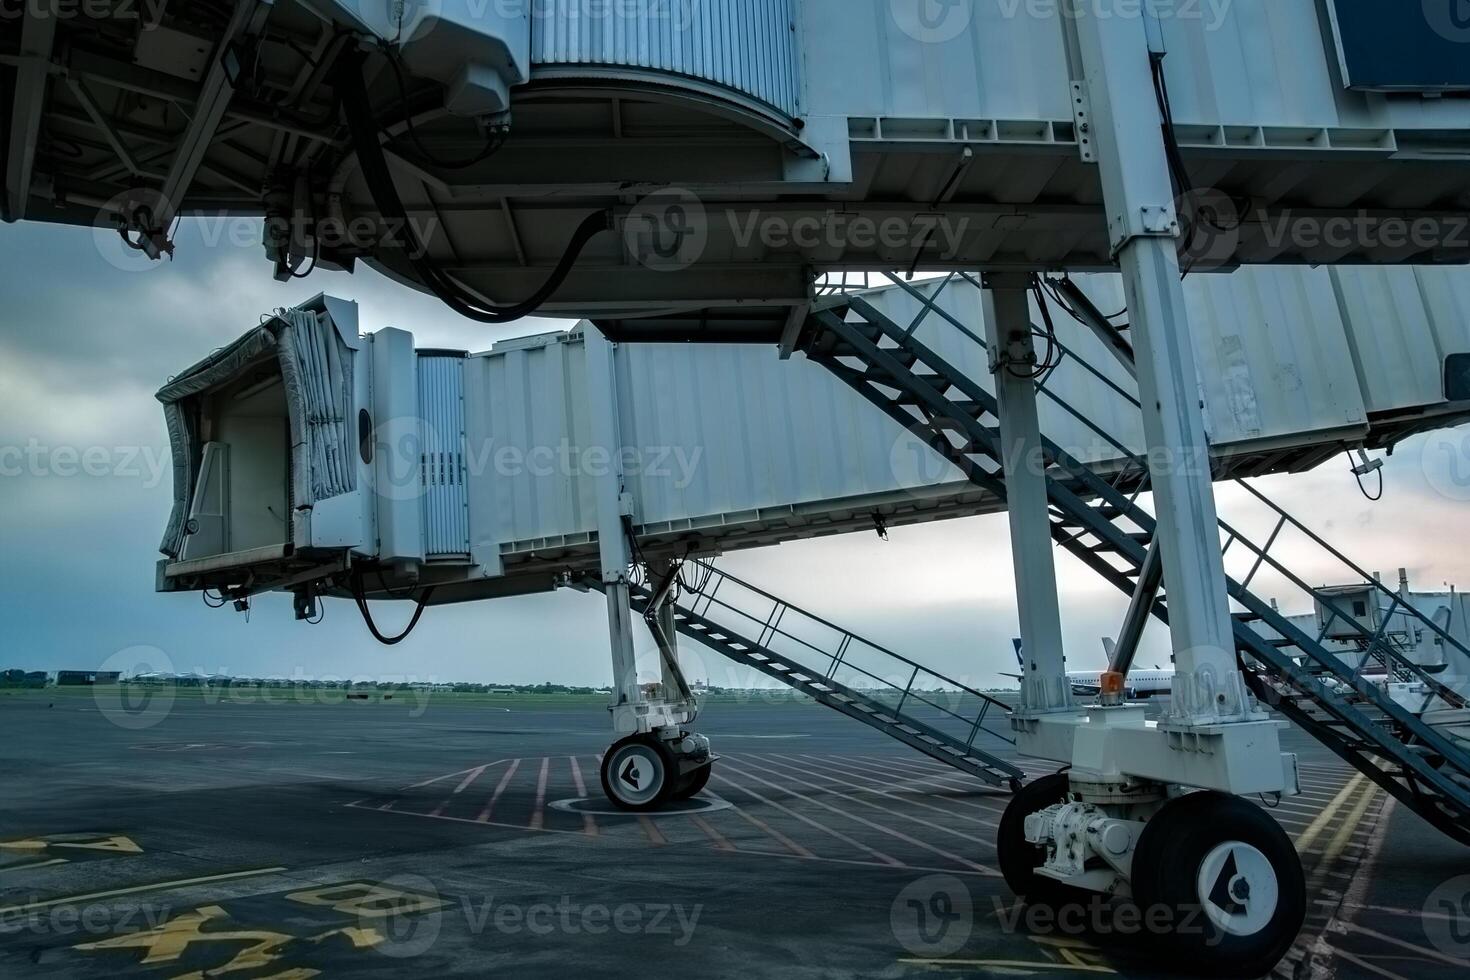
{"x":675,"y":688}
{"x":1143,"y":225}
{"x":1008,"y":330}
{"x":612,"y":540}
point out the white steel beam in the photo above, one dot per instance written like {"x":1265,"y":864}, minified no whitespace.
{"x":1144,"y":225}
{"x":209,"y":111}
{"x":38,"y":34}
{"x":1009,"y":333}
{"x":612,"y":540}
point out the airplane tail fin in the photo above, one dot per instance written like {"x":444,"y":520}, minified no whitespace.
{"x":1016,"y":644}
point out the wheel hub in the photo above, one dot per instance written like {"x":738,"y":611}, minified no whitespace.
{"x":1237,"y":888}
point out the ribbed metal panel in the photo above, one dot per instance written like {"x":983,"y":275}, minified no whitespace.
{"x":749,"y":46}
{"x":730,"y":434}
{"x":445,"y":499}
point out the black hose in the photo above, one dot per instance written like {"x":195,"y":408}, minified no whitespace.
{"x":360,"y":598}
{"x":352,"y":89}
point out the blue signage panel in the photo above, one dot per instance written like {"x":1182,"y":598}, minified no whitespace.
{"x":1403,"y":45}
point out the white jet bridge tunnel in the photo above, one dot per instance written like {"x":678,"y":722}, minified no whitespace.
{"x":701,"y":172}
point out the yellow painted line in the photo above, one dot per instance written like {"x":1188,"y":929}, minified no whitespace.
{"x":1348,"y":828}
{"x":133,"y":890}
{"x":33,"y":864}
{"x":1315,"y":828}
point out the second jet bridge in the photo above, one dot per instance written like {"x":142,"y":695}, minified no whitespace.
{"x":308,"y":447}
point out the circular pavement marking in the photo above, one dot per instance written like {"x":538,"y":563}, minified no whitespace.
{"x":676,"y":808}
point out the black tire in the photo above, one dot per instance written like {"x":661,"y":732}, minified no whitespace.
{"x":692,"y":783}
{"x":1019,"y":858}
{"x":639,"y":773}
{"x":1199,"y":861}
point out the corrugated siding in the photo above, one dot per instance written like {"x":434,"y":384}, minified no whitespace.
{"x":711,"y":432}
{"x":1233,"y":63}
{"x":525,"y":403}
{"x":746,"y":45}
{"x":445,"y":497}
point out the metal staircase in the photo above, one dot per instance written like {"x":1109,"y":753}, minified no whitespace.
{"x":937,"y":715}
{"x":1099,"y":521}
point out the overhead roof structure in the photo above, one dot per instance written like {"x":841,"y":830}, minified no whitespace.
{"x":749,"y":147}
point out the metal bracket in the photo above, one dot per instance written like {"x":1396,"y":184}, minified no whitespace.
{"x":1082,"y":119}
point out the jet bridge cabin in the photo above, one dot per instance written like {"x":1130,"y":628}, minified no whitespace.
{"x":312,"y":458}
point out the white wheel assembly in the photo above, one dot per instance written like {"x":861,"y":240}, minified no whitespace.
{"x":639,"y":773}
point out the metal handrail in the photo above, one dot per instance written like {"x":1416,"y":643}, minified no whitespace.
{"x":718,"y":576}
{"x":1134,"y":458}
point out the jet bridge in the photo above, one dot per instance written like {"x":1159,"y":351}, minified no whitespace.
{"x":308,"y":448}
{"x":697,"y":178}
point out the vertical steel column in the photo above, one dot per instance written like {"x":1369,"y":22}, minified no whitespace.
{"x":1008,"y":330}
{"x":1143,"y":225}
{"x":602,"y":412}
{"x":666,"y":635}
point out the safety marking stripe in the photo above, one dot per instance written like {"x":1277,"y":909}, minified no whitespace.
{"x":33,"y":864}
{"x":1314,"y":830}
{"x":760,"y":824}
{"x":949,"y":779}
{"x":510,"y":771}
{"x":1349,"y":826}
{"x":719,"y":840}
{"x":1370,"y":967}
{"x":884,"y":858}
{"x":655,"y":836}
{"x":451,"y":775}
{"x":589,"y":824}
{"x":883,"y":828}
{"x":870,"y":789}
{"x":833,"y":764}
{"x":1413,"y":947}
{"x":900,"y":835}
{"x":135,"y":889}
{"x":463,"y":785}
{"x":538,"y":816}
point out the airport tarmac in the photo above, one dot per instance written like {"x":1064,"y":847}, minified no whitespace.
{"x":284,"y":840}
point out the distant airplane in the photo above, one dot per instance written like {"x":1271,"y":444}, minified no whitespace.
{"x":1141,"y":684}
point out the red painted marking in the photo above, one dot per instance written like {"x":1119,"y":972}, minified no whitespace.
{"x":538,"y":817}
{"x":884,"y":858}
{"x":589,"y":825}
{"x":510,"y":771}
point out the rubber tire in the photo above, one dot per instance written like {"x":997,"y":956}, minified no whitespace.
{"x":1019,"y":858}
{"x":690,"y":785}
{"x":1166,"y":862}
{"x":669,"y":764}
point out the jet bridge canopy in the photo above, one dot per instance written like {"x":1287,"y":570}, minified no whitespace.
{"x":479,"y":472}
{"x":747,"y":146}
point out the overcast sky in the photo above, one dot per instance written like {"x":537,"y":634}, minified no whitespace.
{"x":87,"y":334}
